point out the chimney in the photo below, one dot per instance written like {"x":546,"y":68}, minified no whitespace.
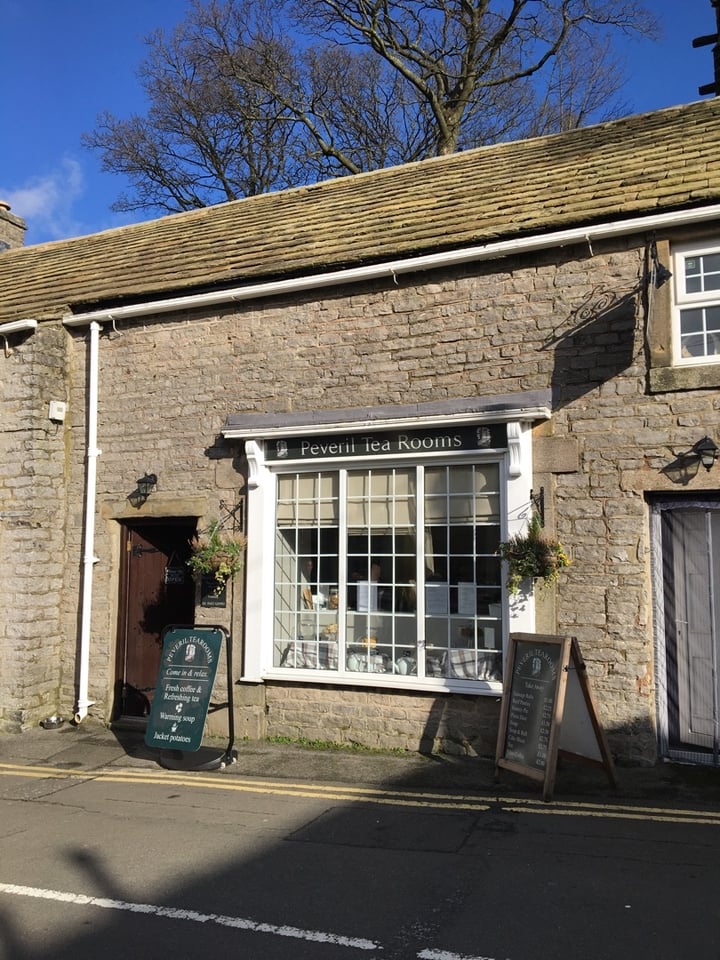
{"x":12,"y":228}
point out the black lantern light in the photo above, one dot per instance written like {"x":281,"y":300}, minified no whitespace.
{"x":145,"y":485}
{"x":707,"y":452}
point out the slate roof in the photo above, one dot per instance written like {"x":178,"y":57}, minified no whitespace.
{"x":647,"y":163}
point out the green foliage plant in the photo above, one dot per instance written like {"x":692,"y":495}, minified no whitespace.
{"x":218,"y":553}
{"x":533,"y":555}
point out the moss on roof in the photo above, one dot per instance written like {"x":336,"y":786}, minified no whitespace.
{"x":648,"y":163}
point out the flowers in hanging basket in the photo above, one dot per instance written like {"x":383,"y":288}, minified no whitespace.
{"x":533,"y":555}
{"x":217,"y":552}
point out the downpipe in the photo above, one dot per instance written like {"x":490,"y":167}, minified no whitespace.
{"x":89,"y":558}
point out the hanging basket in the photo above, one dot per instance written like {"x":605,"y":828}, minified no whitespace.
{"x":533,"y":556}
{"x":217,"y":553}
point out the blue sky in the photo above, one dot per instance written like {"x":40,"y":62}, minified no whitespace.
{"x":65,"y":61}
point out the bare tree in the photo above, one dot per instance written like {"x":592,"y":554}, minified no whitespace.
{"x":210,"y":134}
{"x":247,"y":96}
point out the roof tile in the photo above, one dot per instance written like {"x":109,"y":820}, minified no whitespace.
{"x":666,"y":160}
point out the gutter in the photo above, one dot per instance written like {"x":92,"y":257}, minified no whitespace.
{"x":395,"y":268}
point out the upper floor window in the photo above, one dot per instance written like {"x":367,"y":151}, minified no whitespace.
{"x":696,"y":308}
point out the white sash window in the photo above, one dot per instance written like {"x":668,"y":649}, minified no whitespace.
{"x":696,"y":326}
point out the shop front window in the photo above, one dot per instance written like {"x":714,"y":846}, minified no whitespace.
{"x":389,"y":571}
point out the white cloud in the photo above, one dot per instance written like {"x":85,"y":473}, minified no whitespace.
{"x":46,"y":202}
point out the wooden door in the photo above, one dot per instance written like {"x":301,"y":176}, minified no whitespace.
{"x":691,"y":588}
{"x":156,"y":589}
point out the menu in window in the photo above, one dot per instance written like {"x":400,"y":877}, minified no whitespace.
{"x":367,"y":596}
{"x":436,"y":599}
{"x":467,"y":599}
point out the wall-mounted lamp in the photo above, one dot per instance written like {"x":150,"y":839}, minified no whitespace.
{"x":145,"y":485}
{"x":706,"y":451}
{"x":144,"y":488}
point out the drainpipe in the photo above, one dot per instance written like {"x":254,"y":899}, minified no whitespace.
{"x":89,"y":558}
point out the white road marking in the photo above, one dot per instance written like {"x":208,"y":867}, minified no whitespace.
{"x":444,"y":955}
{"x":177,"y":913}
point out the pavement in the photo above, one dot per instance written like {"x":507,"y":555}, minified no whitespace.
{"x":92,"y":747}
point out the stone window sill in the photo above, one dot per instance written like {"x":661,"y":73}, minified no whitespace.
{"x":667,"y":379}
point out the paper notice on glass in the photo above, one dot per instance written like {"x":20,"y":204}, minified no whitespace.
{"x":367,"y":596}
{"x":467,"y":597}
{"x":436,"y":599}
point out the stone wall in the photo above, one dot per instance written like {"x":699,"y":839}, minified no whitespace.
{"x":372,"y":717}
{"x":32,"y":527}
{"x":573,"y":320}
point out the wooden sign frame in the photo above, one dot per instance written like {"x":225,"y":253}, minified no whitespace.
{"x":548,"y":711}
{"x":188,"y":666}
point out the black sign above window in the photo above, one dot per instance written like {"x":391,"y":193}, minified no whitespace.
{"x":447,"y":439}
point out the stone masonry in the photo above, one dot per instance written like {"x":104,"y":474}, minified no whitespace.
{"x":573,"y":320}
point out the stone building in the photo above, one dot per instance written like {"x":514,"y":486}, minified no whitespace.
{"x":379,"y":379}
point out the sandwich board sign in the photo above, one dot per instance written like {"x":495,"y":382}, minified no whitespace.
{"x":548,"y":710}
{"x":188,"y":665}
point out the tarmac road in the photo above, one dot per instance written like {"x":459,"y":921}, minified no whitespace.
{"x":310,"y":854}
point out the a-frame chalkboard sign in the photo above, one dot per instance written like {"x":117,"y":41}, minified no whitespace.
{"x":548,"y":710}
{"x":188,"y":664}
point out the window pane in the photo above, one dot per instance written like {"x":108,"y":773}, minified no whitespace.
{"x":700,"y":332}
{"x":306,"y":572}
{"x":463,"y":635}
{"x":368,"y":622}
{"x":702,"y":273}
{"x":692,"y":267}
{"x":380,"y":629}
{"x":712,"y":345}
{"x":712,"y":318}
{"x":693,"y":346}
{"x":691,"y":321}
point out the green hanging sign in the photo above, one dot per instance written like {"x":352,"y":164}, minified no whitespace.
{"x":188,"y":666}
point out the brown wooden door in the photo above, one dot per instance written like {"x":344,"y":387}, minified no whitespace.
{"x":156,"y":589}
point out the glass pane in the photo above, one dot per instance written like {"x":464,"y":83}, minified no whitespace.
{"x":461,"y":480}
{"x":381,"y":628}
{"x":306,"y":572}
{"x":691,"y":321}
{"x":711,"y":263}
{"x":693,"y":346}
{"x":712,"y":345}
{"x":712,"y":318}
{"x":463,"y":612}
{"x":692,"y":266}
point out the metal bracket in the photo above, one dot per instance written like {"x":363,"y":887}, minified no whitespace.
{"x":538,"y":502}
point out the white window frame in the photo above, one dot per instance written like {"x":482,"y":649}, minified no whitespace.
{"x":683,"y":300}
{"x":518,"y":611}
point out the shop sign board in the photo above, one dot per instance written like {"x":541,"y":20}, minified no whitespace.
{"x":548,"y":710}
{"x":448,"y":439}
{"x":188,"y":666}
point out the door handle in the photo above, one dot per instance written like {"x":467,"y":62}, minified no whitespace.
{"x":138,"y":551}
